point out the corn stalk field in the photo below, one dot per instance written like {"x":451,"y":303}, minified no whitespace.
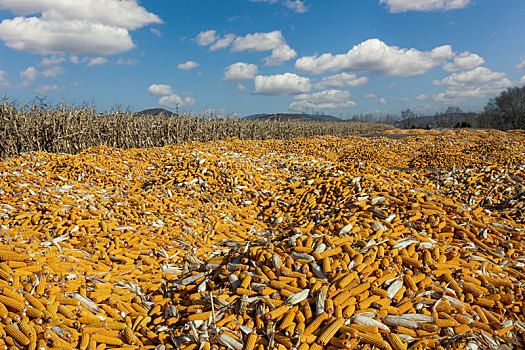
{"x":307,"y":243}
{"x":70,"y":130}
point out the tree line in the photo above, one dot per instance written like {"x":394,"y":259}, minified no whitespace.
{"x":505,"y":111}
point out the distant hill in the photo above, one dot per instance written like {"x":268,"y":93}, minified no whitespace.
{"x":285,"y":117}
{"x":444,"y":121}
{"x":156,"y":111}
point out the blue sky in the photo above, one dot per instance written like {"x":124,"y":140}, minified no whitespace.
{"x":239,"y":57}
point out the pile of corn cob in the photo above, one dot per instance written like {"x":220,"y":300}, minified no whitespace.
{"x":318,"y":243}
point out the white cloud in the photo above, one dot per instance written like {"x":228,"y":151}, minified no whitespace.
{"x":79,"y":37}
{"x":341,"y":80}
{"x":464,"y":61}
{"x":269,"y":1}
{"x":271,"y":41}
{"x":4,"y":83}
{"x":375,"y":56}
{"x":156,"y":31}
{"x":207,"y":37}
{"x":259,"y":41}
{"x":241,"y":87}
{"x":476,"y":76}
{"x":77,"y":60}
{"x":240,"y":71}
{"x":128,"y":62}
{"x":52,"y":61}
{"x":370,"y":95}
{"x":97,"y":61}
{"x":522,"y":64}
{"x":53,"y":72}
{"x":29,"y":76}
{"x":280,"y":55}
{"x":160,"y":89}
{"x":404,"y":99}
{"x":296,"y":5}
{"x":176,"y":101}
{"x":188,"y":65}
{"x":90,"y":27}
{"x":126,"y":14}
{"x":274,"y":41}
{"x":46,"y":89}
{"x":480,"y":82}
{"x":223,"y":43}
{"x":422,"y":97}
{"x":522,"y":81}
{"x":397,"y":6}
{"x":327,"y":99}
{"x":281,"y":84}
{"x":383,"y":101}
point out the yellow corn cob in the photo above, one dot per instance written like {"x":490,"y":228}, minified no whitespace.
{"x":17,"y":335}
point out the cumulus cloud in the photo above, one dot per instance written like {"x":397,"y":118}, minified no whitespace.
{"x":280,"y":55}
{"x":271,"y":41}
{"x":294,"y":5}
{"x":46,"y":89}
{"x":464,"y":61}
{"x":422,"y":97}
{"x":383,"y":101}
{"x":370,"y":95}
{"x":281,"y":84}
{"x":188,"y":65}
{"x":397,"y":6}
{"x":52,"y":60}
{"x":160,"y":89}
{"x":77,"y":60}
{"x":29,"y":75}
{"x":476,"y":76}
{"x":240,"y":71}
{"x":341,"y":80}
{"x":327,"y":99}
{"x":176,"y":101}
{"x":480,"y":82}
{"x":223,"y":43}
{"x":156,"y":32}
{"x":4,"y":83}
{"x":521,"y":65}
{"x":241,"y":87}
{"x":48,"y":37}
{"x":206,"y":37}
{"x":96,"y":61}
{"x":375,"y":56}
{"x":259,"y":41}
{"x":128,"y":62}
{"x":90,"y":27}
{"x":117,"y":13}
{"x":53,"y":72}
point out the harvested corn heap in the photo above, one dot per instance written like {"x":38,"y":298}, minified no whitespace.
{"x":266,"y":244}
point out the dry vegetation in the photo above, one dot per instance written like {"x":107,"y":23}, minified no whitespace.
{"x":311,"y":243}
{"x":66,"y":130}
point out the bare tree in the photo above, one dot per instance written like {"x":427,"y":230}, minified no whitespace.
{"x":407,"y":118}
{"x":507,"y":111}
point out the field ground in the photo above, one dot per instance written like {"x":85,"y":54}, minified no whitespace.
{"x":312,"y":243}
